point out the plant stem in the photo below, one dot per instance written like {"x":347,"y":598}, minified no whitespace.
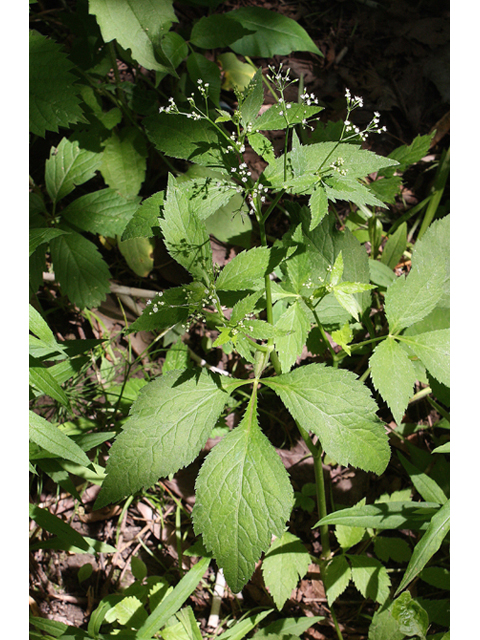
{"x":321,"y":500}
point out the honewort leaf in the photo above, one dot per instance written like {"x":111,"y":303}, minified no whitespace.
{"x":248,"y":269}
{"x":168,"y":425}
{"x":294,"y":325}
{"x":124,"y":161}
{"x":167,"y":309}
{"x":337,"y":577}
{"x":385,"y":515}
{"x":395,"y":390}
{"x":370,"y":577}
{"x":433,"y":349}
{"x":339,"y":410}
{"x":285,"y":563}
{"x":243,"y":497}
{"x":136,"y":25}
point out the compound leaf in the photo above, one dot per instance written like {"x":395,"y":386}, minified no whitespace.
{"x":145,"y":218}
{"x":433,"y":349}
{"x":246,"y":271}
{"x":137,"y":25}
{"x":285,"y":563}
{"x":339,"y":410}
{"x":295,"y":325}
{"x":124,"y":162}
{"x":395,"y":390}
{"x":80,"y":270}
{"x":104,"y":211}
{"x":54,"y":100}
{"x":67,"y":167}
{"x":370,"y":577}
{"x":337,"y":577}
{"x":243,"y":497}
{"x":168,"y":425}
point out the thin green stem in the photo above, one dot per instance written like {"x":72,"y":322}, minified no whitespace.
{"x":325,"y":339}
{"x":321,"y":501}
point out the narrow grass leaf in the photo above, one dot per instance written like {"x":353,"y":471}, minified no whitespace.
{"x":243,"y":497}
{"x":50,"y":438}
{"x":41,"y":378}
{"x":58,"y":527}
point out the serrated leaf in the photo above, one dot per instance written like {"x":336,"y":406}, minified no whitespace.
{"x":80,"y":270}
{"x":216,"y":31}
{"x":167,"y":309}
{"x":285,"y":563}
{"x":50,"y":438}
{"x":67,"y":167}
{"x":138,"y":26}
{"x":433,"y":349}
{"x":429,"y":544}
{"x":339,"y":410}
{"x":349,"y":536}
{"x":38,"y":237}
{"x":167,"y":426}
{"x":54,"y":100}
{"x":274,"y":34}
{"x":185,"y":236}
{"x":385,"y":515}
{"x":318,"y":204}
{"x":243,"y":497}
{"x":408,"y":154}
{"x":370,"y":577}
{"x":251,"y":101}
{"x":295,"y":324}
{"x":349,"y":189}
{"x":396,"y":389}
{"x":245,"y":305}
{"x":262,"y":145}
{"x":207,"y":190}
{"x":281,"y":115}
{"x":337,"y":577}
{"x":343,"y":337}
{"x":124,"y":162}
{"x":104,"y":211}
{"x":247,"y":270}
{"x":410,"y":615}
{"x":128,"y":612}
{"x":396,"y":549}
{"x":145,"y":218}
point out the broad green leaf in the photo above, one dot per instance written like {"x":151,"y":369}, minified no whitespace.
{"x":339,"y":410}
{"x":433,"y":252}
{"x":245,"y":305}
{"x":230,"y":224}
{"x":185,"y":236}
{"x":436,"y":320}
{"x":207,"y":190}
{"x":343,"y":337}
{"x":50,"y":438}
{"x":274,"y":34}
{"x":408,"y":154}
{"x":281,"y":115}
{"x":138,"y":254}
{"x":370,"y":577}
{"x":384,"y":626}
{"x":349,"y":189}
{"x":173,"y":601}
{"x":296,"y":325}
{"x":38,"y":237}
{"x":104,"y":211}
{"x":251,"y":102}
{"x":41,"y":378}
{"x":318,"y":204}
{"x":429,"y":544}
{"x":287,"y":626}
{"x":344,"y":293}
{"x":128,"y":612}
{"x":167,"y":309}
{"x":262,"y":145}
{"x":67,"y":167}
{"x":170,"y":51}
{"x":398,"y":389}
{"x":200,"y":68}
{"x":80,"y":270}
{"x":38,"y":326}
{"x":145,"y":218}
{"x":433,"y":349}
{"x":124,"y":161}
{"x":57,"y":526}
{"x":247,"y":270}
{"x":348,"y":537}
{"x":410,"y":615}
{"x":395,"y":246}
{"x":168,"y":425}
{"x":181,"y":137}
{"x":380,"y":274}
{"x":337,"y":577}
{"x":437,"y":577}
{"x":237,"y":75}
{"x":426,"y":486}
{"x":385,"y":515}
{"x":396,"y":549}
{"x":243,"y":497}
{"x":216,"y":31}
{"x":54,"y":100}
{"x":176,"y":358}
{"x":137,"y":25}
{"x":285,"y":563}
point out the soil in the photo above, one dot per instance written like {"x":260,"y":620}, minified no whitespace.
{"x":395,"y":54}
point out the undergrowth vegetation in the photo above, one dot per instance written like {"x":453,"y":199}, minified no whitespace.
{"x":321,"y":325}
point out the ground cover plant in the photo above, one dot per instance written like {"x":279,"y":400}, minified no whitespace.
{"x":321,"y":312}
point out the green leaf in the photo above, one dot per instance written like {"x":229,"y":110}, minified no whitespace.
{"x":274,"y":34}
{"x":185,"y":236}
{"x":287,"y":626}
{"x":426,"y":486}
{"x":262,"y":145}
{"x":411,"y":616}
{"x":167,"y":309}
{"x":207,"y":190}
{"x":54,"y":100}
{"x":80,"y":270}
{"x":237,"y":75}
{"x":128,"y":612}
{"x":104,"y":211}
{"x":168,"y":425}
{"x":429,"y":544}
{"x":173,"y":601}
{"x":243,"y":497}
{"x":57,"y":526}
{"x":337,"y":577}
{"x":384,"y":515}
{"x":339,"y":410}
{"x":38,"y":326}
{"x":396,"y":549}
{"x":285,"y":563}
{"x":240,"y":629}
{"x":408,"y":154}
{"x":395,"y":246}
{"x":200,"y":68}
{"x":176,"y":358}
{"x":41,"y":378}
{"x":124,"y":161}
{"x":251,"y":101}
{"x":216,"y":31}
{"x":437,"y":577}
{"x":318,"y":204}
{"x":398,"y":389}
{"x":38,"y":237}
{"x":433,"y":349}
{"x":67,"y":167}
{"x":384,"y":626}
{"x":343,"y":337}
{"x":247,"y":270}
{"x":295,"y":324}
{"x":138,"y":254}
{"x":281,"y":115}
{"x":370,"y":577}
{"x":185,"y":138}
{"x":348,"y":537}
{"x":145,"y":218}
{"x":380,"y":274}
{"x":50,"y":438}
{"x":138,"y":26}
{"x":349,"y":189}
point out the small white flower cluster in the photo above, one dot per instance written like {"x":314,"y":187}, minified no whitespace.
{"x":243,"y":173}
{"x":308,"y":99}
{"x":281,"y":80}
{"x":372,"y":126}
{"x":235,"y":147}
{"x":338,"y":166}
{"x":203,"y":87}
{"x":157,"y":304}
{"x":283,"y":105}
